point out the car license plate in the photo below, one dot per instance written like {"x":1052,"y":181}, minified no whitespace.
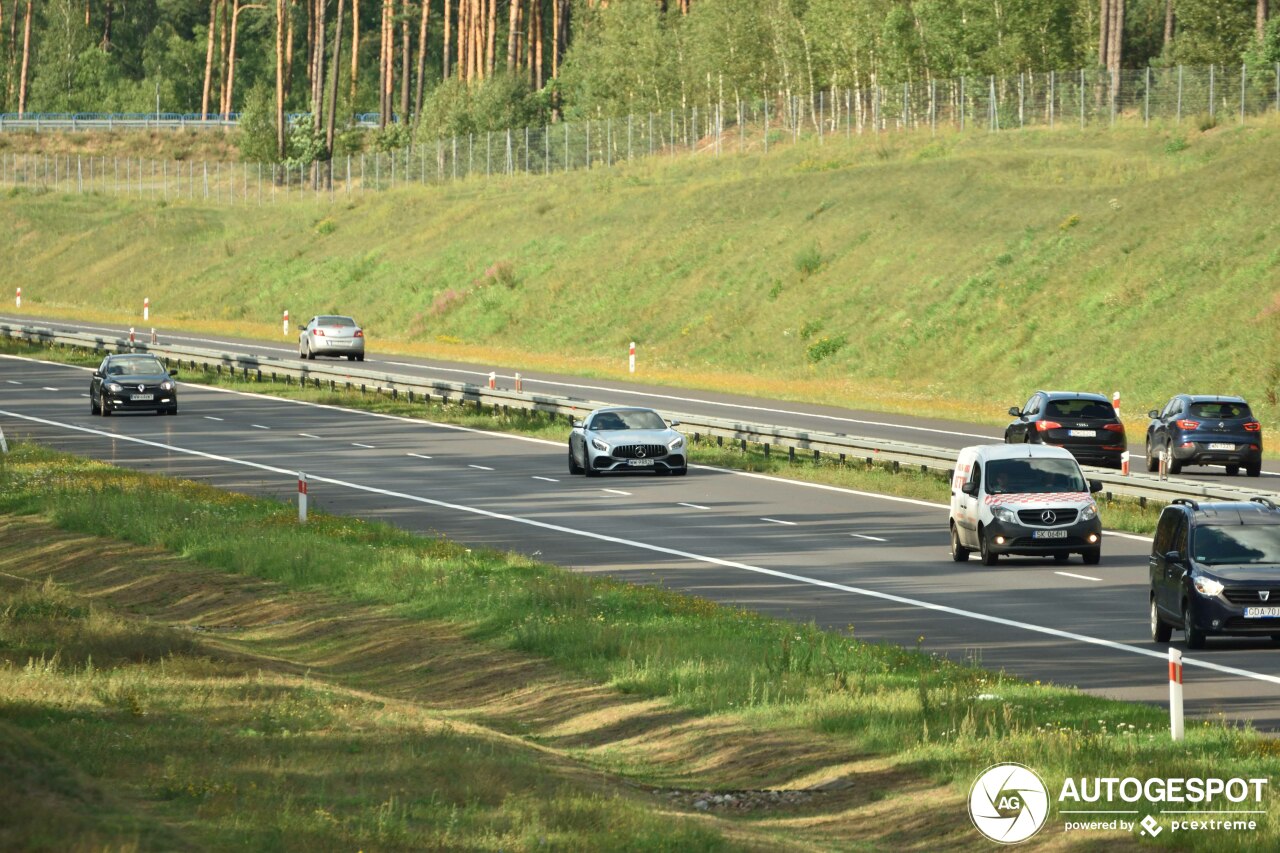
{"x":142,"y":396}
{"x":1222,"y":447}
{"x":640,"y":463}
{"x":1261,"y":612}
{"x":1082,"y":433}
{"x":1049,"y":534}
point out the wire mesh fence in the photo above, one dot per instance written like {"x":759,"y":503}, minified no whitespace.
{"x":1082,"y":98}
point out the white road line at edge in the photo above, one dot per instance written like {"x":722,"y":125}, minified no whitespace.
{"x":308,"y":435}
{"x":211,"y":418}
{"x":417,"y":455}
{"x":546,"y":479}
{"x":674,"y":552}
{"x":480,"y":467}
{"x":617,"y":492}
{"x":779,"y":521}
{"x":694,"y":506}
{"x":871,"y":538}
{"x":1081,"y":577}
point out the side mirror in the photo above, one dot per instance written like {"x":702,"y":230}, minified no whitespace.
{"x":970,"y":489}
{"x":577,"y":424}
{"x":97,"y":374}
{"x":1173,"y":556}
{"x":1015,"y":411}
{"x":1095,"y":486}
{"x":1154,"y":414}
{"x":173,"y":371}
{"x":675,"y":423}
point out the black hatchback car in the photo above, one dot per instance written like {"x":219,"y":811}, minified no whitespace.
{"x":1084,"y":424}
{"x":1215,"y":569}
{"x":1201,"y":430}
{"x":133,"y":382}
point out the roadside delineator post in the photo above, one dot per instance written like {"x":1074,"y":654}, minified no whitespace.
{"x":1115,"y":403}
{"x":146,"y":308}
{"x":1164,"y":464}
{"x":493,"y":379}
{"x":302,"y":498}
{"x":131,"y":338}
{"x":154,"y":339}
{"x":286,"y":322}
{"x":519,"y":385}
{"x":19,"y":300}
{"x":1124,"y":464}
{"x":4,"y":445}
{"x":1175,"y":693}
{"x":631,"y":358}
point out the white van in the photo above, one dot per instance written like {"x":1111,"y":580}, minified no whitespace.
{"x":1024,"y":499}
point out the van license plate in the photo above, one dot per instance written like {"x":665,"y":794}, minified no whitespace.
{"x":1049,"y":534}
{"x":1261,"y":612}
{"x":1222,"y":447}
{"x":1082,"y":433}
{"x":640,"y":463}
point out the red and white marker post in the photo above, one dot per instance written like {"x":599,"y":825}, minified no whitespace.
{"x":1124,"y":464}
{"x":493,"y":379}
{"x":631,"y":358}
{"x":302,"y":498}
{"x":519,"y":385}
{"x":154,"y":339}
{"x":285,"y":325}
{"x":131,"y":337}
{"x":1115,"y":403}
{"x":1175,"y":693}
{"x":19,"y":300}
{"x":146,"y":308}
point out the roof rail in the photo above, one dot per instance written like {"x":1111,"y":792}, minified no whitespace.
{"x":1270,"y":504}
{"x":1195,"y":507}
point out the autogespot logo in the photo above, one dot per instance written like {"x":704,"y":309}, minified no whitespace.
{"x":1008,"y":803}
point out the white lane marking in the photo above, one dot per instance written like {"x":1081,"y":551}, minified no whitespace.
{"x":308,"y":435}
{"x":1081,"y":577}
{"x":617,"y":492}
{"x":47,"y":388}
{"x":780,"y":521}
{"x":417,"y":455}
{"x":365,"y":446}
{"x":870,"y":538}
{"x":211,"y":418}
{"x":694,"y":506}
{"x":672,"y":552}
{"x":259,"y":426}
{"x":13,"y":382}
{"x":546,"y":479}
{"x":481,"y":467}
{"x":419,"y":422}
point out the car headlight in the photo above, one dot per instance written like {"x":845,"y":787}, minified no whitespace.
{"x":676,"y":443}
{"x":1207,"y":586}
{"x":599,"y":445}
{"x":166,"y":385}
{"x":1003,"y":513}
{"x":1089,"y":513}
{"x":114,"y":387}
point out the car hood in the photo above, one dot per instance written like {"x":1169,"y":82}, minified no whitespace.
{"x":1267,"y":574}
{"x":138,"y":379}
{"x":635,"y":436}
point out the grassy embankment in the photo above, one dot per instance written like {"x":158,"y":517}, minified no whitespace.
{"x":947,"y":275}
{"x":1118,"y":513}
{"x":346,"y":684}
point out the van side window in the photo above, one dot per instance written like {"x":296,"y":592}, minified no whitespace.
{"x":1163,"y":543}
{"x":975,"y":476}
{"x":1180,"y":543}
{"x":1033,"y":405}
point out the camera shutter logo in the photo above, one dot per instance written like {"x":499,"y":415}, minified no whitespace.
{"x":1008,"y":803}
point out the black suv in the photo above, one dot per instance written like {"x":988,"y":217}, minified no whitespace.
{"x":1215,"y":569}
{"x":1084,"y":424}
{"x":1198,"y":430}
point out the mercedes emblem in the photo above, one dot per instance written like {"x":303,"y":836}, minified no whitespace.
{"x":1048,"y":516}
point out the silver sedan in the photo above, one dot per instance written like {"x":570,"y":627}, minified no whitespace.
{"x":626,"y":439}
{"x":331,"y":334}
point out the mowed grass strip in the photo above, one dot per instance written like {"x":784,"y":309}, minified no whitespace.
{"x":1118,"y":513}
{"x":761,"y":678}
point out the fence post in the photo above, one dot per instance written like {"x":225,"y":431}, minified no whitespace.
{"x":1146,"y":100}
{"x":1243,"y":83}
{"x":1212,"y":93}
{"x":1081,"y":97}
{"x":1179,"y":121}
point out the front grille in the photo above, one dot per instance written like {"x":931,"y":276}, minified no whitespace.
{"x":1065,"y":515}
{"x":639,"y":451}
{"x":1250,"y":596}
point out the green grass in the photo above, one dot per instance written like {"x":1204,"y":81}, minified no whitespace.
{"x":957,"y":273}
{"x":1118,"y":513}
{"x":937,"y":718}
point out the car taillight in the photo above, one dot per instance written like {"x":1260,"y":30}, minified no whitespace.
{"x":1114,"y":427}
{"x":1186,"y":424}
{"x":359,"y":334}
{"x":319,"y":332}
{"x":1253,"y":426}
{"x":1044,"y":426}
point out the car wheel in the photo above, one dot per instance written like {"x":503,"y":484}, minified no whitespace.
{"x":1192,"y":636}
{"x":959,"y":553}
{"x":93,"y":407}
{"x":1160,"y":629}
{"x":1175,"y":467}
{"x":989,"y":557}
{"x":1153,"y":459}
{"x":680,"y":472}
{"x":1254,"y":470}
{"x":1062,"y":557}
{"x":173,"y":410}
{"x":359,"y":358}
{"x":351,"y":357}
{"x":1092,"y":557}
{"x":106,"y":409}
{"x":574,"y":467}
{"x":1233,"y":470}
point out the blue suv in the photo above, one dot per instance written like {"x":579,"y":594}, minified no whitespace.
{"x":1203,"y":430}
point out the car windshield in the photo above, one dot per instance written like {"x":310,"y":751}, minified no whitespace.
{"x":1033,"y":476}
{"x":1220,"y":411}
{"x":135,"y":367}
{"x":1079,"y":409}
{"x":1239,"y":544}
{"x":636,"y":419}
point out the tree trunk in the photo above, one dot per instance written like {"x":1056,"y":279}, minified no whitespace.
{"x":1168,"y":23}
{"x":280,"y":141}
{"x":535,"y":44}
{"x":288,"y":50}
{"x":333,"y":97}
{"x":1104,"y":33}
{"x":208,"y":61}
{"x":107,"y":10}
{"x":491,"y":22}
{"x":513,"y":15}
{"x":355,"y":46}
{"x":464,"y":31}
{"x":406,"y":64}
{"x":231,"y":55}
{"x":222,"y":59}
{"x":1261,"y":19}
{"x":1114,"y":53}
{"x":26,"y":61}
{"x":421,"y":67}
{"x":317,"y":66}
{"x":445,"y":52}
{"x":382,"y":67}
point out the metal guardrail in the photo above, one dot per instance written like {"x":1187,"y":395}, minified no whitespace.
{"x":792,"y":441}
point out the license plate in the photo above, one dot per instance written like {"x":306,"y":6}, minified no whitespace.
{"x":1048,"y":534}
{"x":1082,"y":433}
{"x":640,"y":463}
{"x":142,"y":396}
{"x":1222,"y":447}
{"x":1261,"y":612}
